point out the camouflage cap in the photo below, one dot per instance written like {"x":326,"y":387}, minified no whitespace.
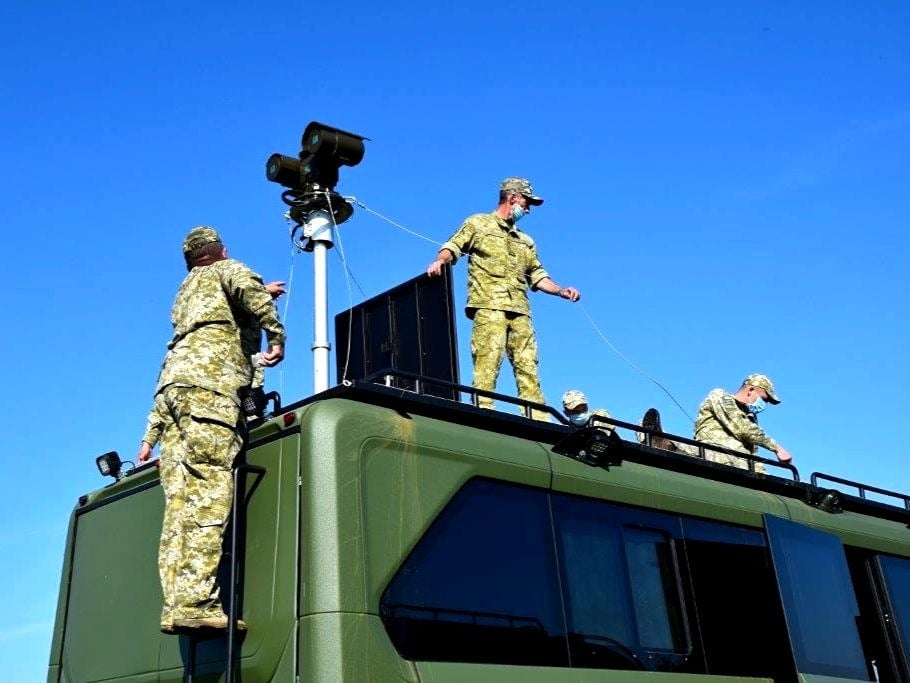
{"x":572,"y":399}
{"x":521,"y":186}
{"x":199,"y":237}
{"x":762,"y":382}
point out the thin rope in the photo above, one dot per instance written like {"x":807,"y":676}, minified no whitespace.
{"x":389,"y":220}
{"x":590,"y":319}
{"x":632,"y":364}
{"x":287,"y":302}
{"x":347,"y":281}
{"x":348,"y":270}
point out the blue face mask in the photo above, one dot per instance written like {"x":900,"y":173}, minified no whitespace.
{"x":756,"y":407}
{"x":518,"y":213}
{"x":581,"y":419}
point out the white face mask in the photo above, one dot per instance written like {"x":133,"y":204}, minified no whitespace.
{"x":518,"y":213}
{"x":581,"y":419}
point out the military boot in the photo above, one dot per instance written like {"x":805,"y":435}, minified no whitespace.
{"x":651,"y":421}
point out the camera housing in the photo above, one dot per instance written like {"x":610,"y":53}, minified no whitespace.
{"x":311,"y":177}
{"x":323,"y":151}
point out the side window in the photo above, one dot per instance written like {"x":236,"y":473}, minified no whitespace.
{"x":819,"y":603}
{"x":740,"y":617}
{"x":622,"y":590}
{"x":655,"y":592}
{"x":895,"y":574}
{"x":597,"y":605}
{"x":481,"y":585}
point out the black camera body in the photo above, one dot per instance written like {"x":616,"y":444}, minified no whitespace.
{"x":311,"y":177}
{"x":323,"y":151}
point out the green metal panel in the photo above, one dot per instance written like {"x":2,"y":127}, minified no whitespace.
{"x":62,"y":602}
{"x":269,"y":574}
{"x":661,"y":489}
{"x":373,"y":480}
{"x":113,"y":603}
{"x":350,"y":648}
{"x":446,"y":672}
{"x":115,"y":598}
{"x":863,"y":531}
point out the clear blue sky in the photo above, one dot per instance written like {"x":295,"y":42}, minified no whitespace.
{"x":726,"y":185}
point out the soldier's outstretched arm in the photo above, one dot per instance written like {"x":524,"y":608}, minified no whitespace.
{"x":245,"y":288}
{"x":154,"y":425}
{"x":273,"y":356}
{"x":547,"y":285}
{"x":442,"y":258}
{"x":276,"y":289}
{"x":454,"y":248}
{"x":783,"y":454}
{"x":731,"y":417}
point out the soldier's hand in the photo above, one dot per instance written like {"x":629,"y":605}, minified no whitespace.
{"x":435,"y":268}
{"x":783,"y":454}
{"x":276,"y":289}
{"x":145,"y":452}
{"x":273,"y":356}
{"x":570,"y":293}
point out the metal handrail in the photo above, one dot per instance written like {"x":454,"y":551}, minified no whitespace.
{"x":701,"y":445}
{"x":862,"y":489}
{"x":386,"y":376}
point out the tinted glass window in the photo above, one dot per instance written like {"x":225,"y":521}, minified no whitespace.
{"x":655,"y":596}
{"x":736,"y":601}
{"x":896,"y":573}
{"x":819,"y":603}
{"x":597,"y":603}
{"x":481,"y":585}
{"x":623,"y":605}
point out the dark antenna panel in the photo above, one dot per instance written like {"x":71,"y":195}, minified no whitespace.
{"x":410,"y":328}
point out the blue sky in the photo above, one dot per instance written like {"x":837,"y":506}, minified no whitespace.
{"x":725,"y":183}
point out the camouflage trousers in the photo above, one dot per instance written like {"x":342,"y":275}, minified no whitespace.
{"x":495,"y":335}
{"x":198,"y":446}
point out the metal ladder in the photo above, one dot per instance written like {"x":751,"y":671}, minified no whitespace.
{"x":238,"y":518}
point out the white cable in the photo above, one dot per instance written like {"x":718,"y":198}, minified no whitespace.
{"x":284,"y":316}
{"x":633,"y":365}
{"x":389,"y":220}
{"x":347,"y":281}
{"x":590,"y":319}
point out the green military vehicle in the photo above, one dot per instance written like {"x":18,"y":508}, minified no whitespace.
{"x":384,"y":534}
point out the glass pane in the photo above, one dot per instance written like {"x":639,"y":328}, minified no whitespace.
{"x":819,"y":603}
{"x":481,"y":585}
{"x":620,"y":584}
{"x":594,"y":578}
{"x":654,"y":590}
{"x":737,"y":601}
{"x":896,"y":572}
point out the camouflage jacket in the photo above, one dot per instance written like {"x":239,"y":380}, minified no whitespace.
{"x":503,"y":263}
{"x":154,"y":426}
{"x":218,"y":316}
{"x":723,"y":421}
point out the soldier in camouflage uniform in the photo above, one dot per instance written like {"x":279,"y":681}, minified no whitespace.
{"x":196,"y":416}
{"x":251,"y":337}
{"x":503,"y":265}
{"x":730,"y":420}
{"x":575,"y":407}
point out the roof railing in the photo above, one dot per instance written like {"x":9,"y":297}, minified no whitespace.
{"x":862,"y":489}
{"x":419,"y":385}
{"x":702,"y":447}
{"x":677,"y":460}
